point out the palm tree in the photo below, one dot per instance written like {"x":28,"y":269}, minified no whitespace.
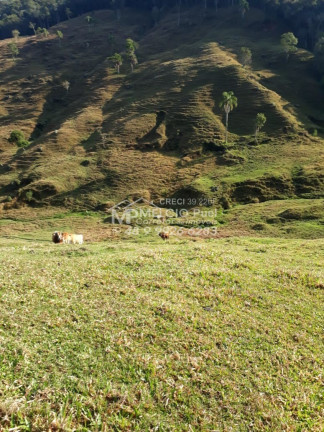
{"x":59,"y":34}
{"x":244,"y":7}
{"x":117,"y":61}
{"x":132,"y":60}
{"x":260,"y":121}
{"x":33,"y":27}
{"x":68,"y":13}
{"x":89,"y":20}
{"x":131,"y":47}
{"x":228,"y":103}
{"x":179,"y":4}
{"x":66,"y":85}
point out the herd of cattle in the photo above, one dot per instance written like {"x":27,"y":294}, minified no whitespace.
{"x":63,"y":237}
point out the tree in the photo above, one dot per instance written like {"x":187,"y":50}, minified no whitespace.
{"x":131,"y":46}
{"x":306,"y":15}
{"x":131,"y":56}
{"x":59,"y":34}
{"x":13,"y":50}
{"x":89,"y":20}
{"x":66,"y":84}
{"x":15,"y":34}
{"x":118,"y":5}
{"x":244,"y":6}
{"x":260,"y":121}
{"x":288,"y":43}
{"x":179,"y":5}
{"x":45,"y":32}
{"x":33,"y":27}
{"x":117,"y":61}
{"x":42,"y":32}
{"x":68,"y":13}
{"x":245,"y":56}
{"x":39,"y":31}
{"x":228,"y":103}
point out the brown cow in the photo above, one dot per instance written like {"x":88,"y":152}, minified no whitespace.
{"x":65,"y":237}
{"x":57,"y":237}
{"x":164,"y":235}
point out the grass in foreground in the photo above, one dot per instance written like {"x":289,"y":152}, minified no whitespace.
{"x":215,"y":335}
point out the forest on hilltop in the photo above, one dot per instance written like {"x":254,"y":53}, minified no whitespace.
{"x":305,"y":17}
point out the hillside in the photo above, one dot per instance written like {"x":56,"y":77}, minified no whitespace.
{"x":159,"y":131}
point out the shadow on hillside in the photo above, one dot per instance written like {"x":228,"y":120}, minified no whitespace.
{"x":18,"y":115}
{"x":42,"y":67}
{"x":111,"y":181}
{"x":62,"y":105}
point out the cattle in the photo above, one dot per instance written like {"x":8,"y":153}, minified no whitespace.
{"x":57,"y":237}
{"x":75,"y":238}
{"x":164,"y":235}
{"x":66,"y":238}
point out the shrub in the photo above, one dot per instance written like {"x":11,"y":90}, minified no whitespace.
{"x":23,"y":143}
{"x":17,"y":137}
{"x":29,"y":195}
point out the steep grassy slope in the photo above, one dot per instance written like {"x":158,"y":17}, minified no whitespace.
{"x":159,"y":130}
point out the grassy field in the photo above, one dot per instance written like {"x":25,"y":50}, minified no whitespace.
{"x":145,"y":335}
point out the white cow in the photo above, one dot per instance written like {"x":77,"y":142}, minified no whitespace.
{"x":75,"y":239}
